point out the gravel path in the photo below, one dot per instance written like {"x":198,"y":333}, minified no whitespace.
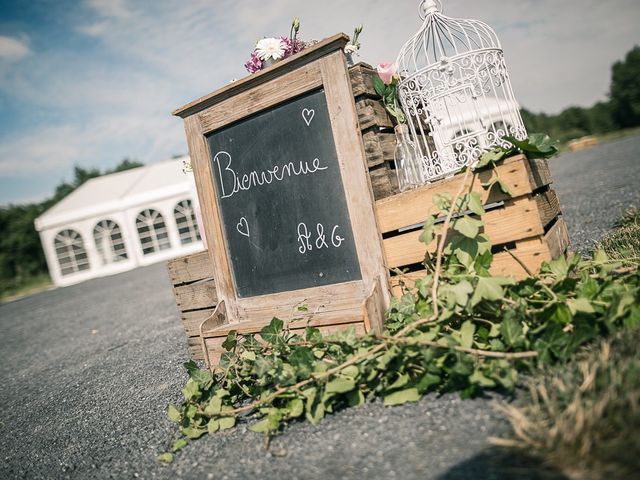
{"x":87,"y":372}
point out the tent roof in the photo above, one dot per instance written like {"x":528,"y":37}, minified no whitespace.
{"x":118,"y":191}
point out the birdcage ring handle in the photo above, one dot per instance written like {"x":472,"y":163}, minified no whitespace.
{"x":429,"y":6}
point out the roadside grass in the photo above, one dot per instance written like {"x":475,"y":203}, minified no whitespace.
{"x":618,"y":134}
{"x":30,"y":286}
{"x":584,"y":417}
{"x":623,"y":241}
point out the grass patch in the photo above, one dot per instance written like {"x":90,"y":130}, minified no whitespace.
{"x":618,"y":134}
{"x":585,"y":417}
{"x":624,"y":241}
{"x":28,"y":287}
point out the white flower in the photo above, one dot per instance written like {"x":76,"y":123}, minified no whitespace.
{"x":270,"y":48}
{"x":351,"y":49}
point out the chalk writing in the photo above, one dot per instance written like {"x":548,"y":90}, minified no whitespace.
{"x":307,"y":115}
{"x":243,"y":227}
{"x":231,"y":182}
{"x":304,"y":238}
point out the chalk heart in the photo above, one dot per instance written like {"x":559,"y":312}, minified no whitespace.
{"x":243,"y":227}
{"x":307,"y":115}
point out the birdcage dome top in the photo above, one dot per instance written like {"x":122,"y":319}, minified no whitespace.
{"x":442,"y":38}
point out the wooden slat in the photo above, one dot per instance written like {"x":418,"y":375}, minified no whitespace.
{"x":412,"y":207}
{"x":361,"y":76}
{"x":261,"y":97}
{"x":531,"y":251}
{"x":372,"y":113}
{"x":548,"y":206}
{"x":190,"y":268}
{"x":196,"y":295}
{"x":379,"y":147}
{"x":557,"y":238}
{"x":518,"y":219}
{"x":339,"y":317}
{"x":192,"y":320}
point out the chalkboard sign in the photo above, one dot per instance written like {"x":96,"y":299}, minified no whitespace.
{"x":282,"y":201}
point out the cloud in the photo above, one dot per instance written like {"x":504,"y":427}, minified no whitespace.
{"x":13,"y":48}
{"x":109,"y":8}
{"x":111,"y":98}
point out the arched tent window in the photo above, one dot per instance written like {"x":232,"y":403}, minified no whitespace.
{"x":186,"y":221}
{"x":70,"y":251}
{"x":109,"y":242}
{"x":152,"y":231}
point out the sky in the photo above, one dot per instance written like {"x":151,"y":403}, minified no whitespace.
{"x":90,"y":82}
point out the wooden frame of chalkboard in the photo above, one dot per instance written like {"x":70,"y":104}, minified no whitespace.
{"x":314,"y":83}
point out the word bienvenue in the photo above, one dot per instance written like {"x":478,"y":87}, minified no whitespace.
{"x":231,"y":182}
{"x":308,"y":240}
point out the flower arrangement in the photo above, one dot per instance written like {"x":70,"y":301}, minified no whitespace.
{"x":353,"y":46}
{"x":386,"y":85}
{"x":274,"y":49}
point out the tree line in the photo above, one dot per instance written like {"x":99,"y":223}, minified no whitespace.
{"x":21,"y":254}
{"x":621,"y":110}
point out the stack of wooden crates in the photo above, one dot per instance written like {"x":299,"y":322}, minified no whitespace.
{"x":525,"y":227}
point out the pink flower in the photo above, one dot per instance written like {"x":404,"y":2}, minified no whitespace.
{"x":386,"y":72}
{"x":254,"y":64}
{"x":291,"y":47}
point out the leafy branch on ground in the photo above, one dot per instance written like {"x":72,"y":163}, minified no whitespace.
{"x":458,"y":328}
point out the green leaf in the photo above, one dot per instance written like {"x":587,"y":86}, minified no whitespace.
{"x":489,"y":288}
{"x":580,"y":305}
{"x":174,"y":414}
{"x":165,"y":458}
{"x":271,"y":332}
{"x":193,"y":433}
{"x":442,"y":201}
{"x":231,"y":341}
{"x":462,"y":291}
{"x":295,"y":407}
{"x":214,"y":406}
{"x":203,"y":378}
{"x":379,"y":86}
{"x":511,"y":331}
{"x":479,"y":378}
{"x":427,"y":381}
{"x":340,"y":385}
{"x":355,"y":398}
{"x":213,"y":426}
{"x":402,"y":396}
{"x":467,"y":226}
{"x":191,"y":390}
{"x":428,"y":230}
{"x":191,"y":366}
{"x":400,"y":382}
{"x":538,"y":145}
{"x":466,"y":334}
{"x":491,"y":156}
{"x":226,"y":423}
{"x":302,"y":360}
{"x":474,"y":203}
{"x":179,"y":444}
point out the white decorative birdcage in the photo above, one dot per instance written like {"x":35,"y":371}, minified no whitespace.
{"x":455,"y":91}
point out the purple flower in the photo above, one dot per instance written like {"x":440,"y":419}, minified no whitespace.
{"x":254,"y":64}
{"x":291,"y":47}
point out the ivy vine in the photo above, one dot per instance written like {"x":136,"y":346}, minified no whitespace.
{"x":456,"y":329}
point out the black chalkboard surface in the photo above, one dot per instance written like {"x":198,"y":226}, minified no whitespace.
{"x":282,"y":200}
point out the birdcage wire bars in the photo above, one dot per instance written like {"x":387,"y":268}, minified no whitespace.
{"x":455,"y":91}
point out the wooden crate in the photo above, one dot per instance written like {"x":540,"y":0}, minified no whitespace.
{"x":526,"y":225}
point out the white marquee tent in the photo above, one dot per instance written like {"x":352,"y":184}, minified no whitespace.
{"x":121,"y":221}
